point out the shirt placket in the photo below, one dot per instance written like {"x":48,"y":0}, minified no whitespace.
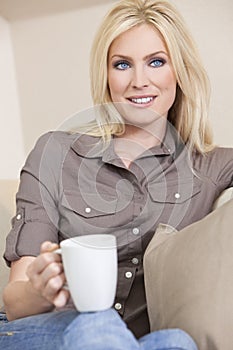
{"x":133,"y":260}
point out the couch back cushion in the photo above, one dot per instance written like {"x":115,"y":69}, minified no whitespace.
{"x":189,"y":279}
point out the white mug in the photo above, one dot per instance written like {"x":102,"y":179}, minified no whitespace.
{"x":90,"y":266}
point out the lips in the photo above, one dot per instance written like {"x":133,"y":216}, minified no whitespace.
{"x":142,"y":100}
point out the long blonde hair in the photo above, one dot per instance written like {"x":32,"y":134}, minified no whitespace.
{"x":189,"y":113}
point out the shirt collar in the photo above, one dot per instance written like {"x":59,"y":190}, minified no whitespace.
{"x":88,"y":146}
{"x":93,"y":147}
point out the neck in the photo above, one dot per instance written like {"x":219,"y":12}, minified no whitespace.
{"x":136,"y":141}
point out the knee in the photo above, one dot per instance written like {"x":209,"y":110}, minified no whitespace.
{"x":183,"y":339}
{"x":168,"y":339}
{"x":98,"y":330}
{"x":94,"y":321}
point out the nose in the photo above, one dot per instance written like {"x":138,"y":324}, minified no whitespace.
{"x":139,"y":77}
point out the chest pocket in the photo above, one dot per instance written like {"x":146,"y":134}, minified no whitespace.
{"x":174,"y":192}
{"x":86,"y":213}
{"x":173,"y":201}
{"x":89,"y":205}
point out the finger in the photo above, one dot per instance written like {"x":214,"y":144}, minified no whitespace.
{"x":53,"y":287}
{"x":52,"y":270}
{"x":61,"y":298}
{"x":42,"y":262}
{"x":39,"y":270}
{"x":48,"y":246}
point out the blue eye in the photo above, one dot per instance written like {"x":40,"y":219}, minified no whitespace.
{"x":158,"y":62}
{"x":122,"y":65}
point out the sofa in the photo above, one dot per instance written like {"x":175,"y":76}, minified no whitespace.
{"x":189,"y":280}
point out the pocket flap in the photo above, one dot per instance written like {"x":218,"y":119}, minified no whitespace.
{"x":89,"y":204}
{"x":174,"y":192}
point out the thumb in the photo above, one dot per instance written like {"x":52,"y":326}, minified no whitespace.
{"x":48,"y":246}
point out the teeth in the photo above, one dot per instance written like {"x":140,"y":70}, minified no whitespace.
{"x":142,"y":100}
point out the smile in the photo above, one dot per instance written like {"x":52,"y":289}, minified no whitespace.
{"x":142,"y":100}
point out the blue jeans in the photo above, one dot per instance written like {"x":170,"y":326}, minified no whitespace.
{"x":70,"y":330}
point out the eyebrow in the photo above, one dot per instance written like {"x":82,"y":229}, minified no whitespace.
{"x":145,"y":58}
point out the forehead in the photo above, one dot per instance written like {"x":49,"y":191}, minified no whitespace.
{"x":143,"y":37}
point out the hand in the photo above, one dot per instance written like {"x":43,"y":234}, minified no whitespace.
{"x":47,"y":276}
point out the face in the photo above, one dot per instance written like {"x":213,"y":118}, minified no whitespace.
{"x":140,"y":75}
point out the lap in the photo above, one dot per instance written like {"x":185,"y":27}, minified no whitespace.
{"x":42,"y":331}
{"x":86,"y":331}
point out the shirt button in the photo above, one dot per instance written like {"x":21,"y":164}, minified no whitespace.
{"x":18,"y":217}
{"x":128,"y":274}
{"x":136,"y":231}
{"x":87,"y":210}
{"x":177,"y":195}
{"x":135,"y":261}
{"x":118,"y":306}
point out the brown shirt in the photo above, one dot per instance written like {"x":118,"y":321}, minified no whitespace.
{"x":71,"y":186}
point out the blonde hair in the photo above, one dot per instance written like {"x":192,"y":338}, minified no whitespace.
{"x":189,"y":113}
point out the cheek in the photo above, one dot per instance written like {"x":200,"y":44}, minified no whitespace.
{"x":117,"y":83}
{"x":168,"y":80}
{"x":169,"y":83}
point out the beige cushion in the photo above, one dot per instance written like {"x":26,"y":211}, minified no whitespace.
{"x":225,"y":196}
{"x":189,"y":279}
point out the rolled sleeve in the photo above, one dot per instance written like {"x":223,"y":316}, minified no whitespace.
{"x":25,"y":239}
{"x":37,"y":217}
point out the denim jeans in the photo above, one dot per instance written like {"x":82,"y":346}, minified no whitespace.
{"x":70,"y":330}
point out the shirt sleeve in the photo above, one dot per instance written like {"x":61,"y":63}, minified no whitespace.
{"x":223,"y":161}
{"x":217,"y":166}
{"x":37,"y":217}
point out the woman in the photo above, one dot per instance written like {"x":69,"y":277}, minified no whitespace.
{"x":147,"y":158}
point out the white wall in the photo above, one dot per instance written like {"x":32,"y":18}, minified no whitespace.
{"x":211,"y":23}
{"x":11,"y":142}
{"x":51,"y":56}
{"x":52,"y":65}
